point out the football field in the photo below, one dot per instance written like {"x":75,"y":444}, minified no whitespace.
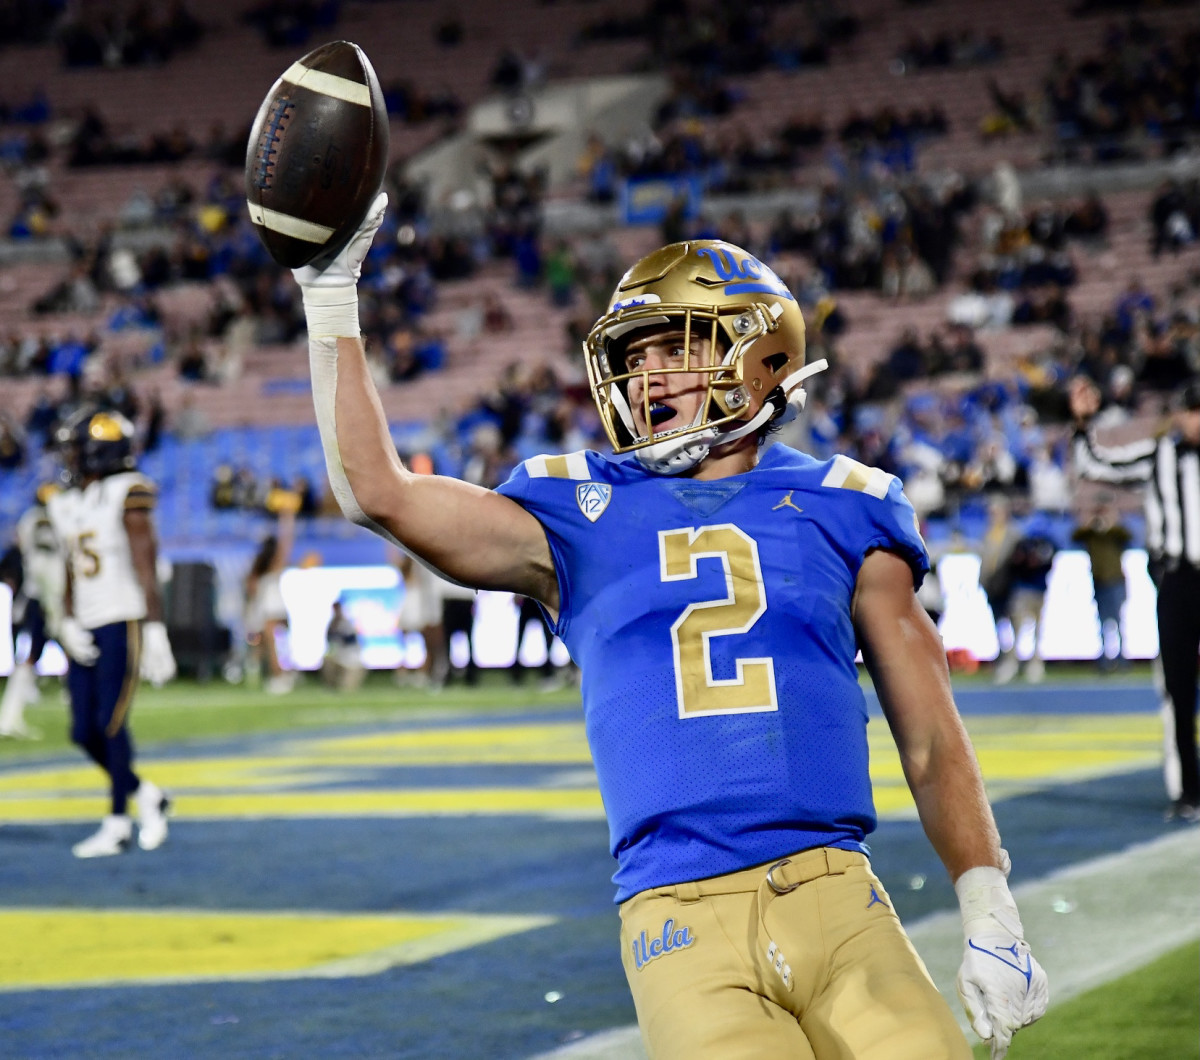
{"x":402,"y":875}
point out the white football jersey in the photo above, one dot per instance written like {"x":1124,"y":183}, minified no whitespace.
{"x":90,"y":526}
{"x":45,"y":572}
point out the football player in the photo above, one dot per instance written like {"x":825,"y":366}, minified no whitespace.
{"x":714,"y":592}
{"x":35,"y":573}
{"x":112,"y":627}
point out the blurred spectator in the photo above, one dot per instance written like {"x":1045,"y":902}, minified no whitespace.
{"x":1089,"y":220}
{"x":1172,"y":219}
{"x":12,"y":443}
{"x":265,"y":614}
{"x":189,"y":421}
{"x":1105,"y":539}
{"x":496,"y":317}
{"x":342,"y":666}
{"x":193,"y":362}
{"x":222,"y":495}
{"x":1027,"y":570}
{"x":529,"y":611}
{"x":421,"y":613}
{"x":458,"y":619}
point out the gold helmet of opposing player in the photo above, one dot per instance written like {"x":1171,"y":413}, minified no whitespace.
{"x":94,"y":443}
{"x":717,"y":291}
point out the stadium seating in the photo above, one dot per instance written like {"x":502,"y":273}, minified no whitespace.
{"x":222,"y":80}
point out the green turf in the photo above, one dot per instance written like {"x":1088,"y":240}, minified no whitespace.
{"x":1150,"y":1014}
{"x":186,"y":710}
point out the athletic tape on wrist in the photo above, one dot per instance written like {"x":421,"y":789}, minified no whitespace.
{"x":331,"y":312}
{"x":983,"y":894}
{"x":323,"y":367}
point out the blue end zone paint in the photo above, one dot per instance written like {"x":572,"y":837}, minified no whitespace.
{"x":1043,"y":832}
{"x":487,"y":1001}
{"x":424,"y":865}
{"x":1049,"y":699}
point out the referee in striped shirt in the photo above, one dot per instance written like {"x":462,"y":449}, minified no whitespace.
{"x":1169,"y":465}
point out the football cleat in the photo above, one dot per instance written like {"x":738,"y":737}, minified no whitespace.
{"x":114,"y":836}
{"x":152,"y":807}
{"x":20,"y":731}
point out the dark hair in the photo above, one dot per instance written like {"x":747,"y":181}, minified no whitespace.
{"x":1189,"y":396}
{"x":264,"y":557}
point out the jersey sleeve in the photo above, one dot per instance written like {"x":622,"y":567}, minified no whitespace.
{"x":540,"y":497}
{"x":873,"y":512}
{"x":894,"y":526}
{"x":142,"y":496}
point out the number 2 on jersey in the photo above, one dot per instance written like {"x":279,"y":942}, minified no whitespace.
{"x":698,"y":692}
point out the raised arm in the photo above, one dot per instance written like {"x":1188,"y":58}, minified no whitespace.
{"x":1001,"y":986}
{"x":1130,"y":463}
{"x":471,"y":535}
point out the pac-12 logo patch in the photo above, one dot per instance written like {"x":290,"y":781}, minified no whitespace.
{"x":593,"y":498}
{"x":673,"y":938}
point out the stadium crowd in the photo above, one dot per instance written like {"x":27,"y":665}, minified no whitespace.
{"x":930,"y":408}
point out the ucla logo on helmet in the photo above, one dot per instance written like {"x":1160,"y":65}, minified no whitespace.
{"x":593,"y":498}
{"x":744,"y":274}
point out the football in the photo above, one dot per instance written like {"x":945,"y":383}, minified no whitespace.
{"x":317,"y":154}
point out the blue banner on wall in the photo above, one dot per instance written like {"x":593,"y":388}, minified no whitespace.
{"x":646,"y":200}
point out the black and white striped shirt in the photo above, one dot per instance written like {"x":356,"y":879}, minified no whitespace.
{"x":1170,"y":467}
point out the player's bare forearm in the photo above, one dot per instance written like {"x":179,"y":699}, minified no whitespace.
{"x":907,"y":663}
{"x":143,"y":550}
{"x":470,"y":534}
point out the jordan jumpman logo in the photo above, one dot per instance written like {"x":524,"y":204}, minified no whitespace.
{"x":787,"y":503}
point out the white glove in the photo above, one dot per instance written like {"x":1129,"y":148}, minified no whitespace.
{"x":1001,"y":986}
{"x":158,"y":661}
{"x":331,"y":293}
{"x":346,"y":268}
{"x":77,"y":642}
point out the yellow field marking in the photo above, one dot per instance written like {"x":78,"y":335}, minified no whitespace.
{"x":1018,"y":754}
{"x":193,"y":774}
{"x":411,"y":802}
{"x":486,"y":744}
{"x":60,"y":948}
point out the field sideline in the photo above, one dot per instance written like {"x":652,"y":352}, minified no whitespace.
{"x":321,"y":840}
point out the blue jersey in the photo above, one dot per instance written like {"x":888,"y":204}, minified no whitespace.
{"x":711,"y":621}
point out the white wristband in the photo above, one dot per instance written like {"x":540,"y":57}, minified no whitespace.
{"x":331,"y":312}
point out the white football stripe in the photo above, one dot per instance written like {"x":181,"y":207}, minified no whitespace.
{"x":328,"y":84}
{"x":287,"y":225}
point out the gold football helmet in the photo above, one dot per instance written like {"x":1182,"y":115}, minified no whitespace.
{"x":94,"y":443}
{"x":714,"y":290}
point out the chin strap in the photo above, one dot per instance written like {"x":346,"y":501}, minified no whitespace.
{"x":673,"y":456}
{"x":677,"y":455}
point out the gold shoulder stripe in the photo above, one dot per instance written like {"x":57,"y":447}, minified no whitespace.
{"x":851,"y":475}
{"x":570,"y":465}
{"x":141,"y":497}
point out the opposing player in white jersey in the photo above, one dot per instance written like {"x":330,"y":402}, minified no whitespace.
{"x":37,"y":577}
{"x":112,"y":627}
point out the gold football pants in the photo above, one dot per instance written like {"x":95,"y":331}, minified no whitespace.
{"x":803,"y":959}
